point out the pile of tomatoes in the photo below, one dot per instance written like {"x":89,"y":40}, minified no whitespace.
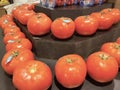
{"x":70,"y":70}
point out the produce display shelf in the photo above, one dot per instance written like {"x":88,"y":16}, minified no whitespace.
{"x":71,"y":11}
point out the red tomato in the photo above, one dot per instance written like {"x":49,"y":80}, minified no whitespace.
{"x":63,"y":27}
{"x":114,"y":12}
{"x":5,"y":17}
{"x":86,"y":25}
{"x":12,"y":36}
{"x":7,"y":24}
{"x":102,"y":67}
{"x":11,"y":29}
{"x":19,"y":43}
{"x":70,"y":70}
{"x":15,"y":57}
{"x":39,"y":24}
{"x":105,"y":20}
{"x":118,"y":40}
{"x":113,"y":49}
{"x":24,"y":16}
{"x":32,"y":75}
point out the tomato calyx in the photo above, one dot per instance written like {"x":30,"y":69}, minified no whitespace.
{"x":66,"y":20}
{"x":68,"y":60}
{"x":103,"y":56}
{"x":14,"y":54}
{"x":117,"y":46}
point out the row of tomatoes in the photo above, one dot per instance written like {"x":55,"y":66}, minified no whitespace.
{"x":70,"y":70}
{"x":65,"y":27}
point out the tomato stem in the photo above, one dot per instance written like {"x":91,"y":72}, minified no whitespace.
{"x":15,"y":53}
{"x":103,"y":56}
{"x":69,"y":60}
{"x":117,"y":46}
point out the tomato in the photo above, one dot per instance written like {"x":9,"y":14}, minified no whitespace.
{"x":15,"y":57}
{"x":5,"y":17}
{"x":32,"y":75}
{"x":19,"y":9}
{"x":24,"y":15}
{"x":118,"y":40}
{"x":114,"y":12}
{"x":7,"y":24}
{"x":12,"y":36}
{"x":113,"y":49}
{"x":105,"y":20}
{"x":19,"y":43}
{"x":63,"y":27}
{"x":101,"y":67}
{"x":39,"y":24}
{"x":11,"y":29}
{"x":70,"y":70}
{"x":86,"y":25}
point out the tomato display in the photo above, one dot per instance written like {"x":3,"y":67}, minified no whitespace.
{"x":39,"y":24}
{"x":105,"y":20}
{"x":101,"y":67}
{"x":70,"y":70}
{"x":86,"y":25}
{"x":32,"y":75}
{"x":19,"y":43}
{"x":10,"y":37}
{"x":63,"y":27}
{"x":113,"y":49}
{"x":15,"y":57}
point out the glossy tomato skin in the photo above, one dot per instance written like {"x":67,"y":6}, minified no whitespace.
{"x":11,"y":29}
{"x":12,"y":36}
{"x":102,"y":67}
{"x":86,"y":25}
{"x":39,"y":24}
{"x":63,"y":27}
{"x":32,"y":75}
{"x":105,"y":20}
{"x":70,"y":70}
{"x":19,"y":43}
{"x":24,"y":16}
{"x":16,"y":57}
{"x":113,"y":49}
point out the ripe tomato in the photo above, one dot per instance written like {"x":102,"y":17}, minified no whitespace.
{"x":7,"y":24}
{"x":5,"y":17}
{"x":63,"y":27}
{"x":12,"y":36}
{"x":11,"y":29}
{"x":24,"y":16}
{"x":118,"y":40}
{"x":86,"y":25}
{"x":105,"y":20}
{"x":15,"y":57}
{"x":39,"y":24}
{"x":70,"y":70}
{"x":19,"y":43}
{"x":113,"y":49}
{"x":102,"y":67}
{"x":32,"y":75}
{"x":114,"y":12}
